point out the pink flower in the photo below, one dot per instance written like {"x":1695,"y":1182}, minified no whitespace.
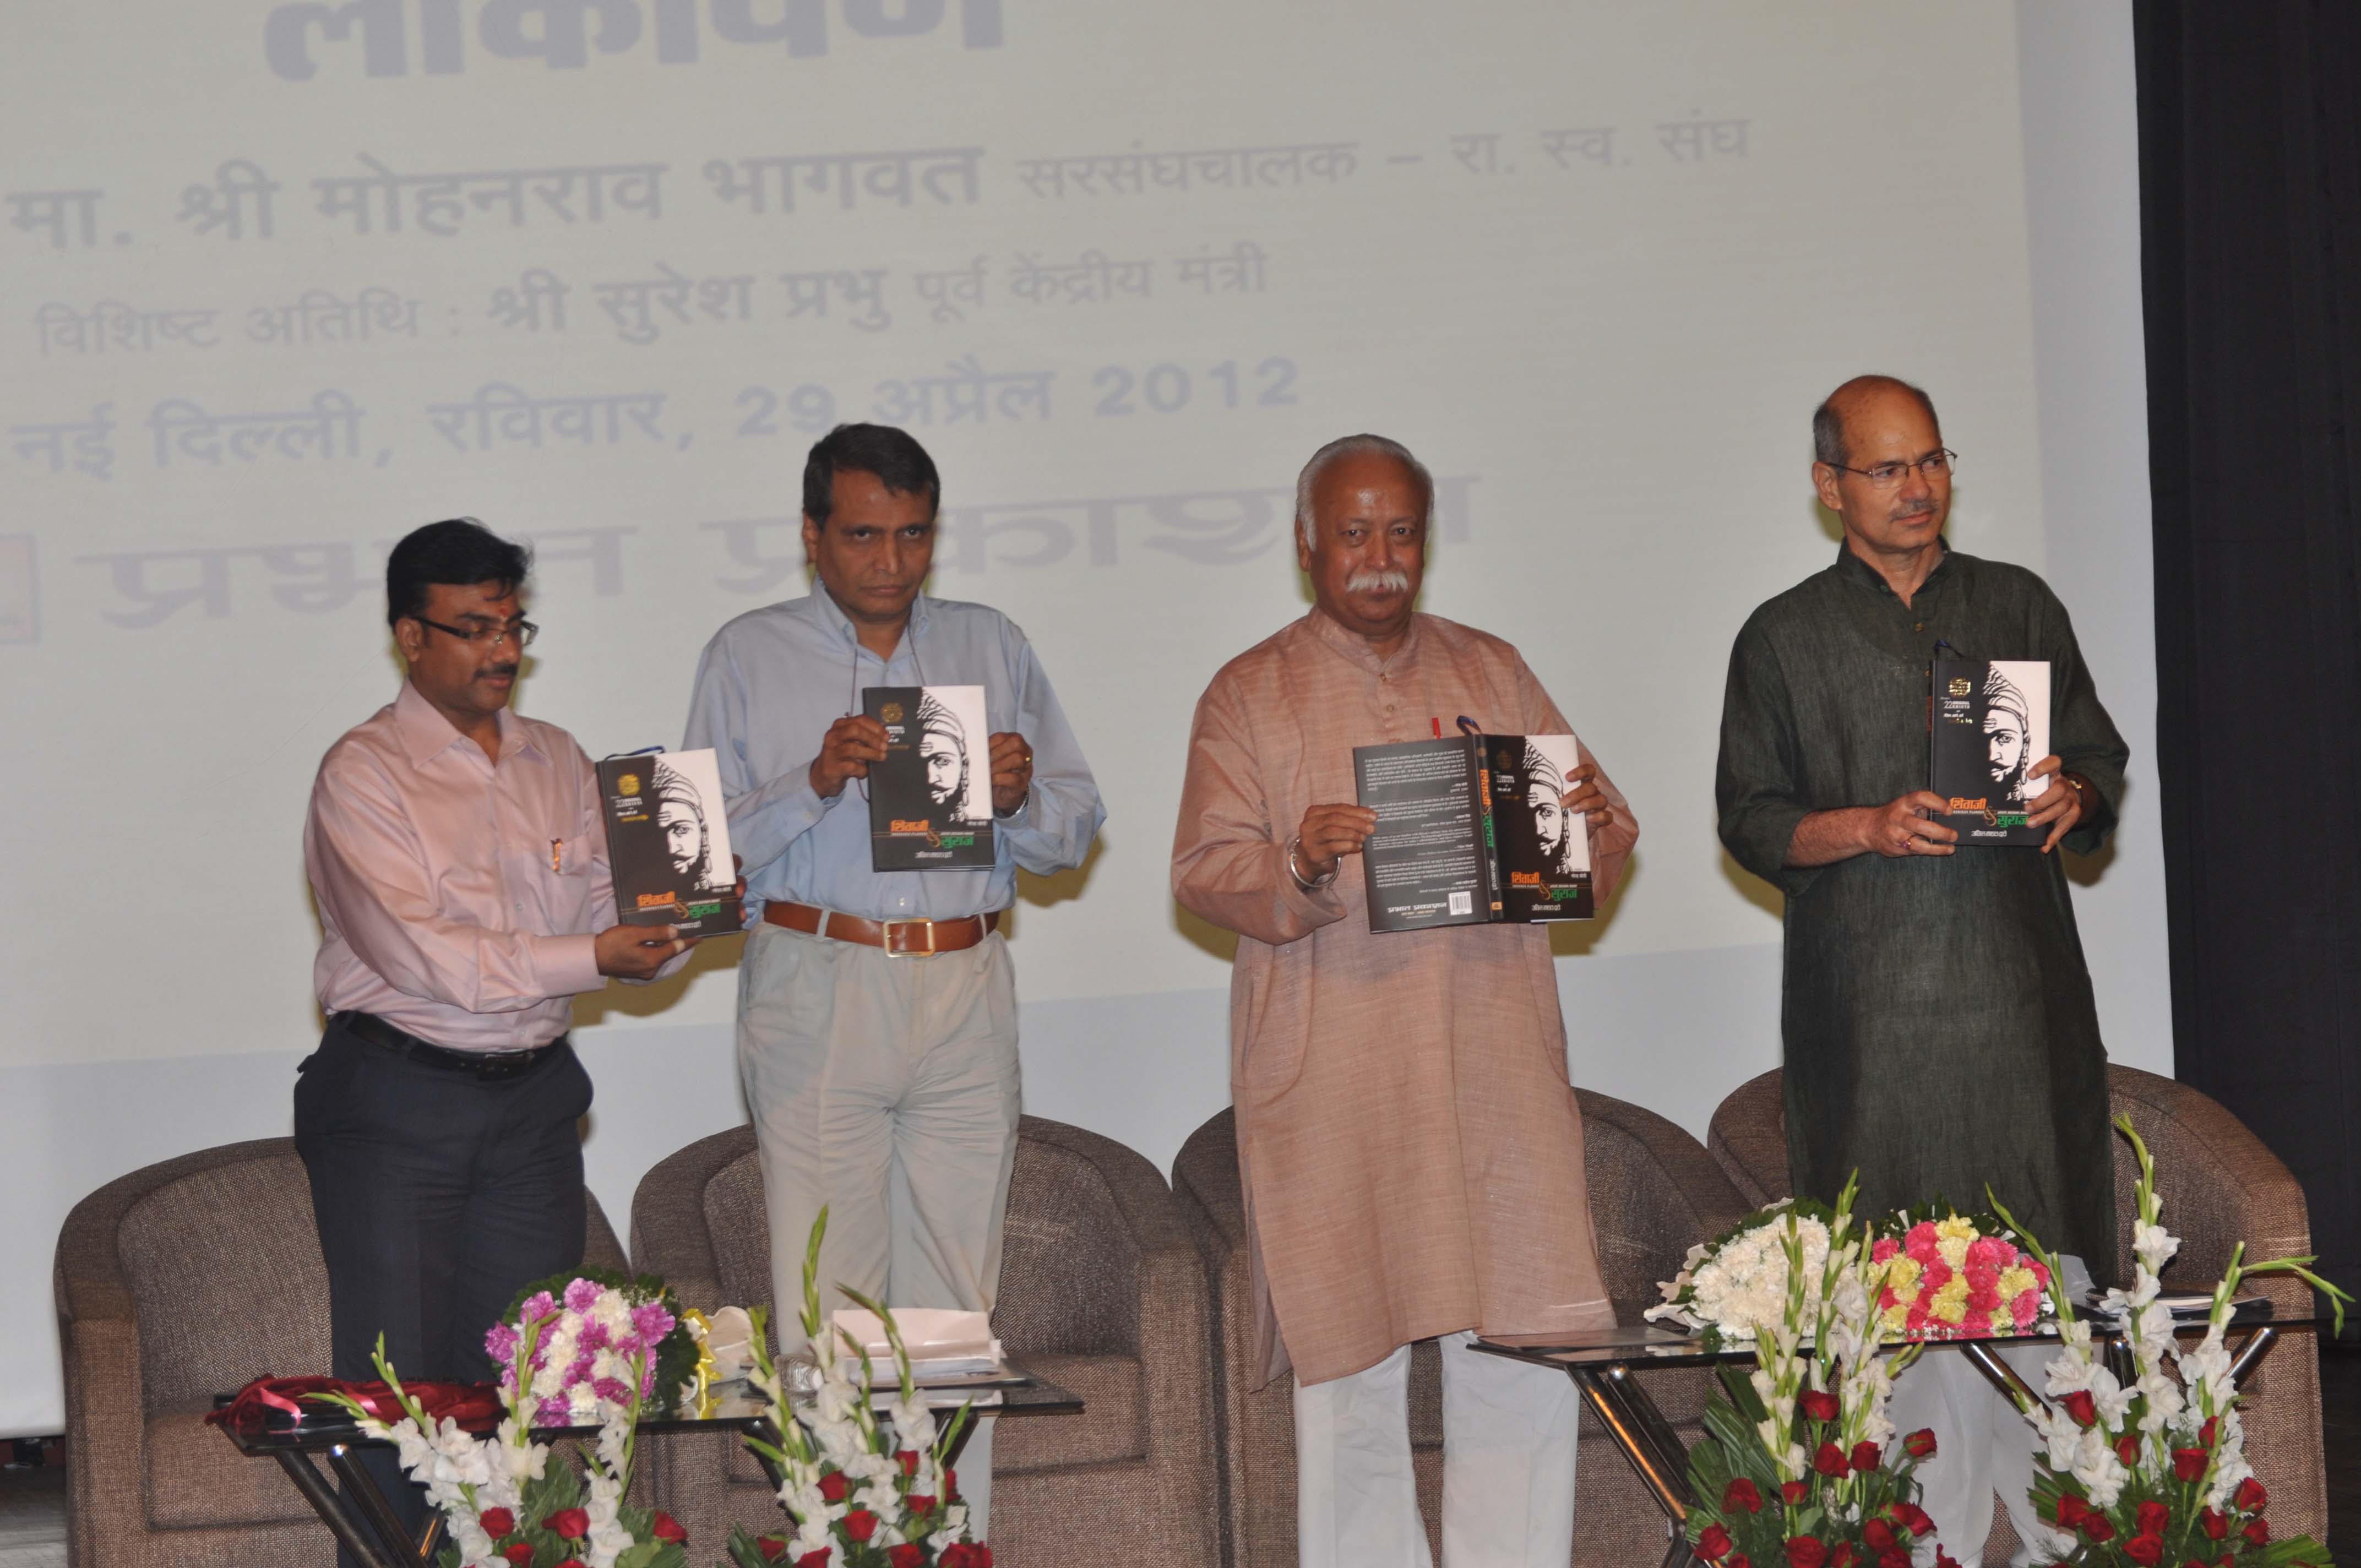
{"x":1937,"y":1275}
{"x":536,"y":1307}
{"x":651,"y":1322}
{"x":581,"y":1296}
{"x":1977,"y":1323}
{"x":552,"y":1413}
{"x":2026,"y":1308}
{"x":594,"y":1337}
{"x":613,"y":1390}
{"x":1921,"y":1242}
{"x":500,"y":1342}
{"x":1991,"y":1252}
{"x":1885,"y":1250}
{"x":2040,"y":1271}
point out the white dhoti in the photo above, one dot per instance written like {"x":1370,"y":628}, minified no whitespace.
{"x":1509,"y":1432}
{"x":886,"y":1090}
{"x":1982,"y":1446}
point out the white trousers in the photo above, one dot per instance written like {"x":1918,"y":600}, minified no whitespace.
{"x":1982,"y":1446}
{"x":884,"y":1090}
{"x":1508,"y":1465}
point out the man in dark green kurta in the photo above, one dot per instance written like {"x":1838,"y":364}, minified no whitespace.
{"x":1938,"y":1016}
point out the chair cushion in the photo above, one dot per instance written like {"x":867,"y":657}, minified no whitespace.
{"x":196,"y":1479}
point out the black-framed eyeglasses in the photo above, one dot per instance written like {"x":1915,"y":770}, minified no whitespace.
{"x":1885,"y":475}
{"x":486,"y":632}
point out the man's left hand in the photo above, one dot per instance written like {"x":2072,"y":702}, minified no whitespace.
{"x":2058,"y":807}
{"x":1583,"y":794}
{"x":746,"y":917}
{"x":1011,"y":772}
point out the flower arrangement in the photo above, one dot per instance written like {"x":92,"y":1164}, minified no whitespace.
{"x":1796,"y":1472}
{"x":1736,"y":1285}
{"x":1958,"y":1277}
{"x":573,"y":1351}
{"x":2153,"y":1470}
{"x":866,"y":1489}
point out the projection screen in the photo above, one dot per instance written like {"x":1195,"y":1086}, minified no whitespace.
{"x":285,"y":280}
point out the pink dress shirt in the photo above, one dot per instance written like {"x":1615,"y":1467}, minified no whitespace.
{"x":458,"y":900}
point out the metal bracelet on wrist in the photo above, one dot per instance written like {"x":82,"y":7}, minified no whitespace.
{"x":1295,"y":868}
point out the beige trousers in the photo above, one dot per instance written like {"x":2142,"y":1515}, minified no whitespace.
{"x":884,"y":1090}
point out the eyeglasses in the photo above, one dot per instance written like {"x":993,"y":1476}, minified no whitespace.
{"x":1885,"y":475}
{"x":488,"y":634}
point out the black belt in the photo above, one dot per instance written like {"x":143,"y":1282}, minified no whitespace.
{"x":368,"y":1026}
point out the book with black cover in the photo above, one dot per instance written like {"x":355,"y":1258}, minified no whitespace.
{"x":1987,"y":724}
{"x":668,"y":842}
{"x":931,"y":799}
{"x":1472,"y":830}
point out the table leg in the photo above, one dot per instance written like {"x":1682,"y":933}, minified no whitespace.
{"x":1639,"y":1430}
{"x":2252,"y":1350}
{"x":362,"y":1490}
{"x":2002,"y":1375}
{"x":325,"y":1502}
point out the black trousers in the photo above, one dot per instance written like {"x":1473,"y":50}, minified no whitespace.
{"x":437,"y":1194}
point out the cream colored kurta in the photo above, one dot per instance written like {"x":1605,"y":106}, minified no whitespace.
{"x":1410,"y":1149}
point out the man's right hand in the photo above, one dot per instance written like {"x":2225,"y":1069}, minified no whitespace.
{"x":1904,"y":826}
{"x":636,"y":952}
{"x":851,"y":745}
{"x":1329,"y":832}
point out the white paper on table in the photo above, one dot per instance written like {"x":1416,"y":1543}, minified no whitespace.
{"x":941,"y":1342}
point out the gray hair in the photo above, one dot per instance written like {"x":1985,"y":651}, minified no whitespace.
{"x":1355,"y":446}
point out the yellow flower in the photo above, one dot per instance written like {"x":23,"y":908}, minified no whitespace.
{"x":1902,"y":1276}
{"x":1950,"y":1303}
{"x":1897,"y":1316}
{"x":2014,"y":1281}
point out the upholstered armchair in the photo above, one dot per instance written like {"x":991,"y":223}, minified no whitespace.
{"x":2220,"y":1187}
{"x":175,"y":1283}
{"x":1654,"y":1192}
{"x":1102,"y":1290}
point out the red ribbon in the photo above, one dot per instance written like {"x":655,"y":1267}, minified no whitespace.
{"x":475,"y":1406}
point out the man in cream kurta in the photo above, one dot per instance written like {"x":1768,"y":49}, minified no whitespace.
{"x":1410,"y":1149}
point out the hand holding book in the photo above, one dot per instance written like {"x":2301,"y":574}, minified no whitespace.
{"x":1328,"y":832}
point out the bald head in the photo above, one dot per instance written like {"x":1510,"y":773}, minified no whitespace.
{"x":1862,"y":395}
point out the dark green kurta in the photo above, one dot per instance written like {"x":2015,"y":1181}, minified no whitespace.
{"x":1938,"y":1016}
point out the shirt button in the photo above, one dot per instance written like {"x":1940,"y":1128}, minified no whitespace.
{"x":1917,"y":626}
{"x":1389,"y":708}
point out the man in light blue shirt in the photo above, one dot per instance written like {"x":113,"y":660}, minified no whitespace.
{"x":878,"y":1011}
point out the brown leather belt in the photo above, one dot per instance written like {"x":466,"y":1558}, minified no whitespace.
{"x":900,"y":939}
{"x":386,"y":1036}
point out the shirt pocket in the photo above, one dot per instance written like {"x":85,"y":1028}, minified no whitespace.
{"x":563,"y":877}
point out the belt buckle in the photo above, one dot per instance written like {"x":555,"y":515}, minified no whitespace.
{"x":895,"y":953}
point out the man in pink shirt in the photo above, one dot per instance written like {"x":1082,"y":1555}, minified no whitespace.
{"x":456,"y":855}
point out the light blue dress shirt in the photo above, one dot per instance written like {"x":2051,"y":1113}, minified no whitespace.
{"x":772,"y":681}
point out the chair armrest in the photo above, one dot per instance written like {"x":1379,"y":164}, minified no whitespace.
{"x":1748,"y":1138}
{"x":670,"y":1238}
{"x":1654,"y":1193}
{"x":2220,"y":1184}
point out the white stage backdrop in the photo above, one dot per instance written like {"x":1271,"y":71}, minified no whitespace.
{"x":284,"y":280}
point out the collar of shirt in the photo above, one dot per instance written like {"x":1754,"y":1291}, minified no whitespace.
{"x":1357,"y":649}
{"x":1852,"y":569}
{"x":826,"y":612}
{"x":427,"y":734}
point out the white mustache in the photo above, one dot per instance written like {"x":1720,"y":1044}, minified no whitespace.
{"x":1391,"y":579}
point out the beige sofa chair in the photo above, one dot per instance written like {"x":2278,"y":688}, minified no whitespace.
{"x":1654,"y":1192}
{"x":1101,"y":1291}
{"x":175,"y":1283}
{"x":2220,"y":1187}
